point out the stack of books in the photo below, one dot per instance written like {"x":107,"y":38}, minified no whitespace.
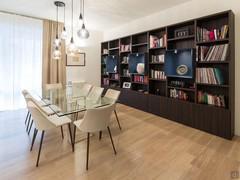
{"x":125,"y":48}
{"x":114,"y":76}
{"x":156,"y":42}
{"x":158,"y":74}
{"x":158,"y":58}
{"x":212,"y":53}
{"x":178,"y":94}
{"x":204,"y":34}
{"x":216,"y":100}
{"x":209,"y":76}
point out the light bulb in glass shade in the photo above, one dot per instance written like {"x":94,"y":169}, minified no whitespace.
{"x":64,"y":34}
{"x":71,"y":48}
{"x":57,"y":53}
{"x":83,"y":33}
{"x":57,"y":42}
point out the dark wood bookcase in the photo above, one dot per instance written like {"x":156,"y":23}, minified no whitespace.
{"x":153,"y":95}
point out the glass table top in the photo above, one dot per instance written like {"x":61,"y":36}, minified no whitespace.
{"x":69,"y":100}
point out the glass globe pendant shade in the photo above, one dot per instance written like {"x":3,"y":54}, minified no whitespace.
{"x":71,"y":48}
{"x":57,"y":53}
{"x":64,"y":34}
{"x":83,"y":33}
{"x":57,"y":42}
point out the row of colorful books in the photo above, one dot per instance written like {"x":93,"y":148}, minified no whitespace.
{"x":158,"y":74}
{"x":178,"y":94}
{"x":140,"y":79}
{"x":125,"y":48}
{"x":203,"y":34}
{"x":216,"y":100}
{"x":105,"y":81}
{"x":114,"y":76}
{"x":212,"y":53}
{"x":156,"y":42}
{"x":209,"y":76}
{"x":158,"y":58}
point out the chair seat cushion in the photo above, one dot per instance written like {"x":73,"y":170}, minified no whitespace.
{"x":59,"y":121}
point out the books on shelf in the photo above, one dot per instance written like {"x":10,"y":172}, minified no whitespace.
{"x":216,"y":100}
{"x":114,"y":76}
{"x":209,"y":76}
{"x":125,"y":60}
{"x":158,"y":58}
{"x":125,"y":48}
{"x":178,"y":94}
{"x":212,"y":53}
{"x":140,"y":79}
{"x":126,"y":72}
{"x":156,"y":42}
{"x":105,"y":81}
{"x":158,"y":75}
{"x":203,"y":34}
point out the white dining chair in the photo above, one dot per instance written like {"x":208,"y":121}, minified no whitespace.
{"x":95,"y":93}
{"x":114,"y":94}
{"x":43,"y":123}
{"x":95,"y":120}
{"x":53,"y":86}
{"x":81,"y":90}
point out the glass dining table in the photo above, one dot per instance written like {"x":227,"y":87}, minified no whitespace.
{"x":69,"y":100}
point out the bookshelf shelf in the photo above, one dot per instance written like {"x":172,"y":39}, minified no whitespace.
{"x":182,"y":88}
{"x":158,"y":96}
{"x":140,"y":44}
{"x":213,"y":62}
{"x":181,"y":38}
{"x":160,"y":80}
{"x":213,"y":85}
{"x":219,"y":41}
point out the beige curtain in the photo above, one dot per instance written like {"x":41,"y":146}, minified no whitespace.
{"x":53,"y":71}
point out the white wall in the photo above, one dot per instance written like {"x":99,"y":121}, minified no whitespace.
{"x":91,"y":72}
{"x":189,"y":10}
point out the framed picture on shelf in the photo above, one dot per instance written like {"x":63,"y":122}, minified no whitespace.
{"x":126,"y":85}
{"x":77,"y":60}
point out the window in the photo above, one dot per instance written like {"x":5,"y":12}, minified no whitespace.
{"x":20,"y":58}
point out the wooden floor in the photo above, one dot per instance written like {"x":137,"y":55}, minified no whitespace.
{"x":148,"y":147}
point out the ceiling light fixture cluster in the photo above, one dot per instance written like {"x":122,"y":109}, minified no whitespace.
{"x":82,"y":33}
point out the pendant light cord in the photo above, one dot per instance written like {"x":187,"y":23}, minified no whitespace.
{"x":83,"y":10}
{"x":72,"y":18}
{"x":57,"y":23}
{"x":64,"y":15}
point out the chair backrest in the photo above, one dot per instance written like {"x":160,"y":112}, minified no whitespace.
{"x":112,"y":94}
{"x":96,"y":119}
{"x":95,"y":93}
{"x":24,"y":92}
{"x":81,"y":89}
{"x":53,"y":86}
{"x":40,"y":119}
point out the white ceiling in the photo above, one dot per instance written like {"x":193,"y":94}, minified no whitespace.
{"x":100,"y":14}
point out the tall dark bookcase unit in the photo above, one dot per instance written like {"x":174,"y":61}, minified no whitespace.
{"x":205,"y":101}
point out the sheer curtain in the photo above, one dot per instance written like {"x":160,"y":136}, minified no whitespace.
{"x":20,"y":58}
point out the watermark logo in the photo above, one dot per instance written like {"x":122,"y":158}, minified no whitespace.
{"x":235,"y":174}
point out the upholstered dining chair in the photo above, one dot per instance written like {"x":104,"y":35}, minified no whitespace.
{"x":95,"y":120}
{"x":43,"y":123}
{"x":114,"y":94}
{"x":81,"y":90}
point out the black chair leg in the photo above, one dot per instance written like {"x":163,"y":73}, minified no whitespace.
{"x":40,"y":147}
{"x":28,"y":123}
{"x":109,"y":131}
{"x":27,"y":118}
{"x":74,"y":136}
{"x":100,"y":135}
{"x":62,"y":132}
{"x":117,"y":120}
{"x":70,"y":133}
{"x":88,"y":141}
{"x":30,"y":127}
{"x":34,"y":137}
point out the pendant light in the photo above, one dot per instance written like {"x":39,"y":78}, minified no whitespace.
{"x":57,"y":41}
{"x":64,"y":32}
{"x":71,"y":47}
{"x":57,"y":53}
{"x":83,"y":32}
